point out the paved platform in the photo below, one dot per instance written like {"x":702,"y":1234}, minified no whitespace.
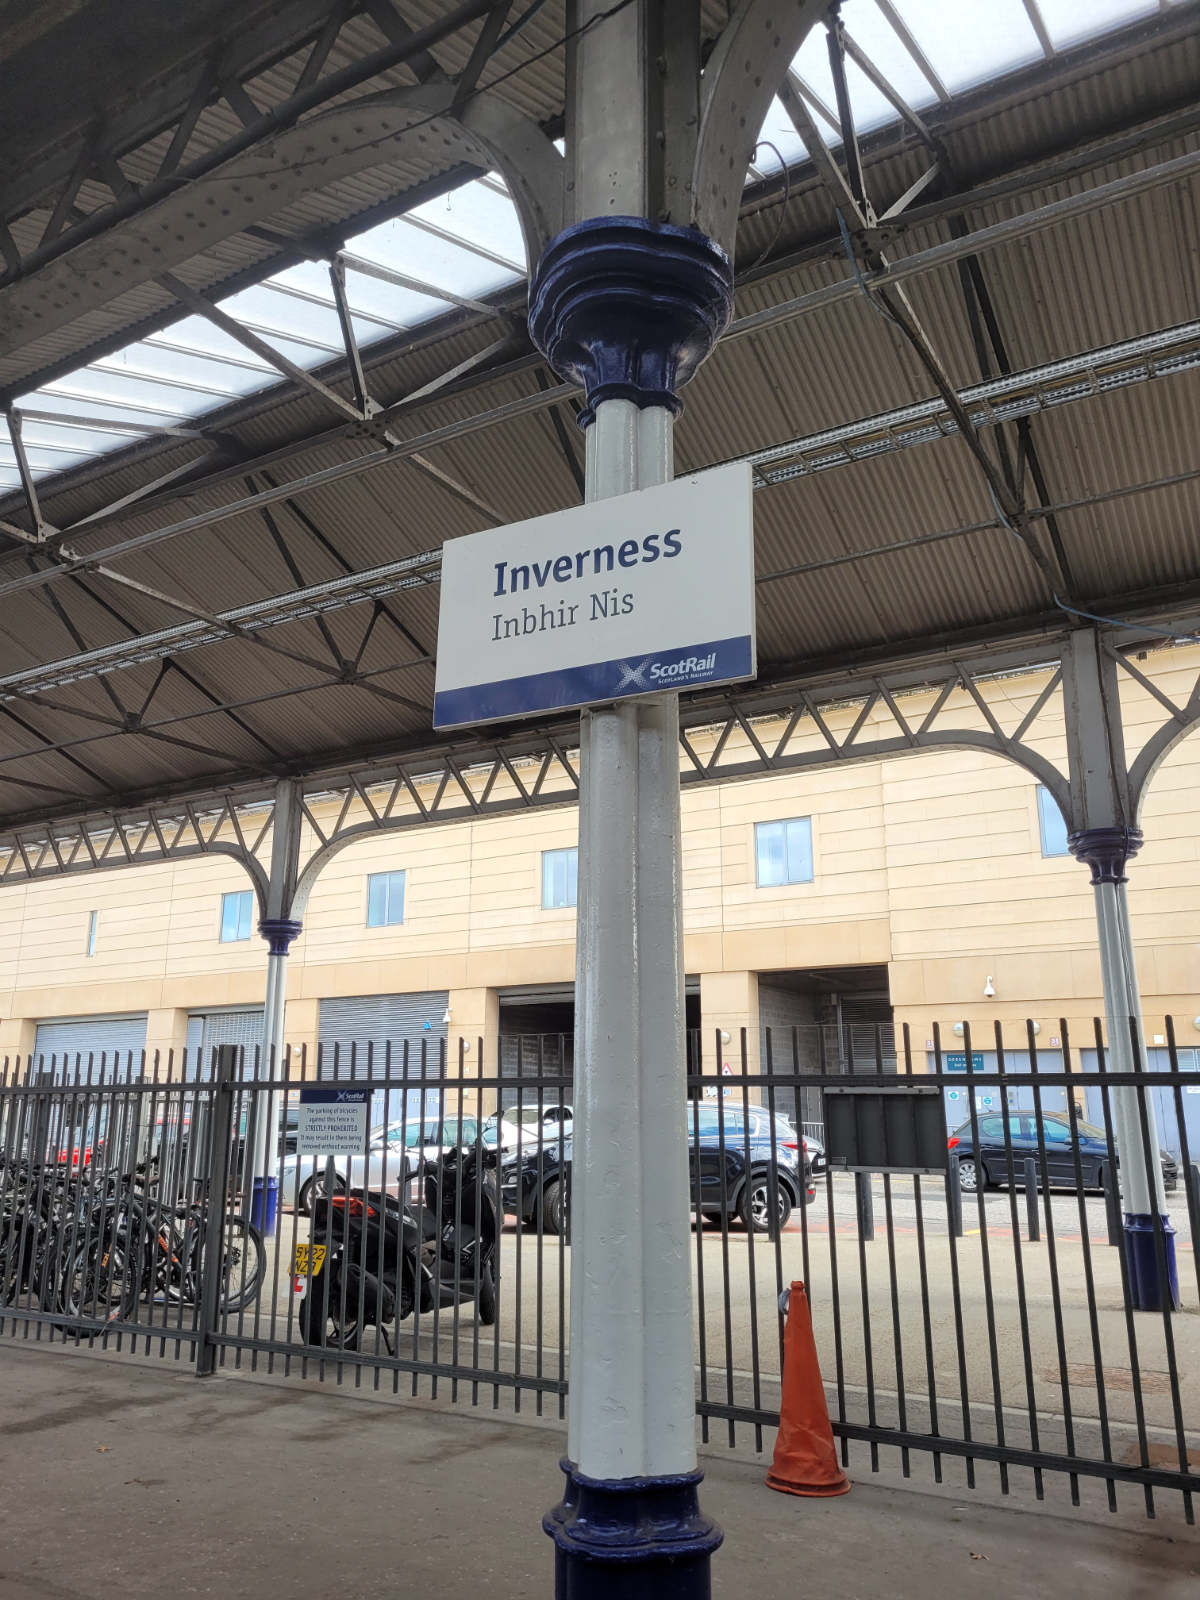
{"x":135,"y":1482}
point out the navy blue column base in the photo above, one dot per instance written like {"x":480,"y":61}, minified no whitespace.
{"x":264,"y":1204}
{"x":1153,"y":1277}
{"x":639,"y":1538}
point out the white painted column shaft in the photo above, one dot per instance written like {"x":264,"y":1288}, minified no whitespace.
{"x":1142,"y":1189}
{"x":273,"y":1016}
{"x":632,"y":1402}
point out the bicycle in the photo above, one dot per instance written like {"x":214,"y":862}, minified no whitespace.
{"x":137,"y":1248}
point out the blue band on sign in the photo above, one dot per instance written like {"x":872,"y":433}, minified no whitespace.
{"x":334,"y":1097}
{"x":595,"y":683}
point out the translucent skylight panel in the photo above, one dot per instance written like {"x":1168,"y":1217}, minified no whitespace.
{"x":440,"y":261}
{"x":312,"y":278}
{"x":478,"y":214}
{"x":871,"y":107}
{"x":204,"y":337}
{"x":172,"y":400}
{"x":74,"y":441}
{"x":778,"y":130}
{"x":968,"y":44}
{"x":878,"y":40}
{"x":303,"y":353}
{"x":40,"y":459}
{"x":235,"y":376}
{"x":65,"y":396}
{"x":290,"y":316}
{"x":1069,"y":21}
{"x":402,"y":306}
{"x":811,"y":64}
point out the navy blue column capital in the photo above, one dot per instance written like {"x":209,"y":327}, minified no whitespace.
{"x":280,"y":933}
{"x":1105,"y":851}
{"x":629,"y":308}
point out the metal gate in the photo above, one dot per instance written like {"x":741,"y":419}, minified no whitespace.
{"x":983,"y":1332}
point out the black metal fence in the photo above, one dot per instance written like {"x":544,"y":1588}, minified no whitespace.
{"x":972,"y":1304}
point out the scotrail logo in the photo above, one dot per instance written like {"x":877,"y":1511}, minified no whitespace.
{"x":634,"y":674}
{"x":685,"y":667}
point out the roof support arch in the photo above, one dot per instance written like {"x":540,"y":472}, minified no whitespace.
{"x":265,"y":180}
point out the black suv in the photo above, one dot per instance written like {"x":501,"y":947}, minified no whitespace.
{"x":733,"y":1153}
{"x":989,"y":1164}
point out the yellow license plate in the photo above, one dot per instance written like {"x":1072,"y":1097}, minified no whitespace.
{"x":300,"y":1268}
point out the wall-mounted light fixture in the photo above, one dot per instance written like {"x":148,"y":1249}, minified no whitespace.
{"x":989,"y":989}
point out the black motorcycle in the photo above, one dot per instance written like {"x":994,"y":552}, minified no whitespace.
{"x":371,"y":1258}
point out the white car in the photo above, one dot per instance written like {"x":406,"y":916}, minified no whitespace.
{"x":395,"y":1152}
{"x":526,"y":1127}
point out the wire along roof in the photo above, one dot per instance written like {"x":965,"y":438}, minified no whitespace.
{"x":467,"y":244}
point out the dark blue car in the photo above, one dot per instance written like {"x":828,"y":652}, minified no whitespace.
{"x":742,"y":1167}
{"x":989,"y":1164}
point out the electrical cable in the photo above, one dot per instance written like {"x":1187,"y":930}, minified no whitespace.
{"x":767,"y":144}
{"x":1077,"y":611}
{"x":1116,"y":622}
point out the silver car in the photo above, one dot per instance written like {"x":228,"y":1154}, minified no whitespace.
{"x":395,"y":1152}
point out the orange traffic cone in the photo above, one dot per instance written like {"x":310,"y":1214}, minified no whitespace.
{"x":805,"y":1460}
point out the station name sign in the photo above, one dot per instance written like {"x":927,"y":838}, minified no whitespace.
{"x":631,"y":595}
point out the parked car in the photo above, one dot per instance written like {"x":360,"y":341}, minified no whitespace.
{"x":538,"y":1182}
{"x":524,"y":1127}
{"x":396,"y":1152}
{"x":977,"y":1168}
{"x":814,"y":1149}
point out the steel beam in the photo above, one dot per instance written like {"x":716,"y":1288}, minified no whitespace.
{"x":1011,"y":229}
{"x":173,"y":99}
{"x":270,"y":122}
{"x":801,"y":723}
{"x":1094,"y":372}
{"x":904,"y":268}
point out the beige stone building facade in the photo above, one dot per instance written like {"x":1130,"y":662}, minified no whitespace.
{"x":906,"y":888}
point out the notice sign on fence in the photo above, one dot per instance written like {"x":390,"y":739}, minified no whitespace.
{"x":633,"y":595}
{"x":332,"y":1120}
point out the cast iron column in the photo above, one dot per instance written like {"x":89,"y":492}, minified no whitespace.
{"x":628,"y":309}
{"x":280,"y":931}
{"x":1105,"y":842}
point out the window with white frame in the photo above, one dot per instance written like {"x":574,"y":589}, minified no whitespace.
{"x":237,"y":915}
{"x":560,"y":879}
{"x":1052,"y":825}
{"x":385,"y":899}
{"x":783,"y":851}
{"x":89,"y":948}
